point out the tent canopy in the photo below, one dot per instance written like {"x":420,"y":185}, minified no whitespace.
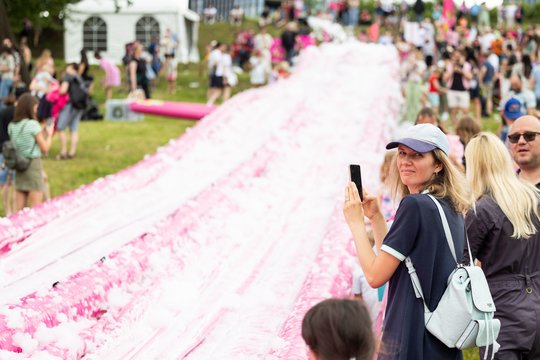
{"x":137,"y":7}
{"x":97,"y":25}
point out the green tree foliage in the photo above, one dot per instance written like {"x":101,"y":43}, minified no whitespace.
{"x":43,"y":13}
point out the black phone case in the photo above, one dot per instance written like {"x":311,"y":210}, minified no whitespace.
{"x":356,"y":177}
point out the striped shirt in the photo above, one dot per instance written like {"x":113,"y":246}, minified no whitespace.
{"x":23,"y":135}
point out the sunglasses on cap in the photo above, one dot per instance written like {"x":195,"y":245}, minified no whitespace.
{"x":527,"y":136}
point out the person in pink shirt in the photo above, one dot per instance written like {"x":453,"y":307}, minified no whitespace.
{"x":374,"y":31}
{"x":449,"y":11}
{"x":112,"y":74}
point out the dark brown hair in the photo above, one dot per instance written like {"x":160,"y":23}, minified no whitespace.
{"x":25,"y":108}
{"x":429,"y":112}
{"x":466,"y":128}
{"x":339,"y":329}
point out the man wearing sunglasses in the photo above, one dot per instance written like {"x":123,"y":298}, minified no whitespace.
{"x":525,"y":147}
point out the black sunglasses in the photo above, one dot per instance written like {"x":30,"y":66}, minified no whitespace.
{"x":528,"y":136}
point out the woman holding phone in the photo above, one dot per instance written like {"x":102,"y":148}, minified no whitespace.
{"x":422,"y":166}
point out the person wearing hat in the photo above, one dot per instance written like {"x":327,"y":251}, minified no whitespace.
{"x":511,"y":111}
{"x":422,"y":166}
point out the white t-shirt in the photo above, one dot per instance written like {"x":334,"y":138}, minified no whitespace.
{"x":43,"y":80}
{"x":511,"y":10}
{"x":213,"y":59}
{"x":224,"y":66}
{"x":494,"y":61}
{"x":370,"y":296}
{"x":262,"y":41}
{"x":485,"y":41}
{"x":257,"y":75}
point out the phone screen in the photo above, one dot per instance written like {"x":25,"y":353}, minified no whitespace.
{"x":356,"y":177}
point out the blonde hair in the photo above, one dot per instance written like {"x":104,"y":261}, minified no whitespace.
{"x":386,"y":166}
{"x":448,"y":184}
{"x":490,"y":172}
{"x":43,"y":59}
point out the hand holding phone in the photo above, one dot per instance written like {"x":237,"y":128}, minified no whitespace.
{"x":356,"y":177}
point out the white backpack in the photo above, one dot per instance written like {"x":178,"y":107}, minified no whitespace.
{"x":464,"y":316}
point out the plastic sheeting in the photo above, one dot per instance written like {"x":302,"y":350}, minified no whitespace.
{"x":221,"y":241}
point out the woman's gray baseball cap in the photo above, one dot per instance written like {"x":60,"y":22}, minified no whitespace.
{"x":422,"y":138}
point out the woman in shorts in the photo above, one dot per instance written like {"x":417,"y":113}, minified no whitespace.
{"x":31,"y":141}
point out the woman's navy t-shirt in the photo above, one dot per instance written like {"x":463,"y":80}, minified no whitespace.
{"x":417,"y":232}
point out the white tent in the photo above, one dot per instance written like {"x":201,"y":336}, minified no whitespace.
{"x":95,"y":24}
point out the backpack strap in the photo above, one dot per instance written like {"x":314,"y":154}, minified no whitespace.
{"x":416,"y":282}
{"x":446,"y":227}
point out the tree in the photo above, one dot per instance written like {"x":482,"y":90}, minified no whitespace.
{"x":5,"y":32}
{"x":43,"y":13}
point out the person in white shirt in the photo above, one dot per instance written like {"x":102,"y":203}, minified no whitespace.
{"x":222,"y":76}
{"x":214,"y":84}
{"x":259,"y":69}
{"x":486,"y":39}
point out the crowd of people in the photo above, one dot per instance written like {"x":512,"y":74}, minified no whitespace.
{"x":493,"y":211}
{"x":456,"y":70}
{"x":30,"y":113}
{"x":62,"y":99}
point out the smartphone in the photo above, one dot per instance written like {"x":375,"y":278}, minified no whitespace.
{"x":356,"y":177}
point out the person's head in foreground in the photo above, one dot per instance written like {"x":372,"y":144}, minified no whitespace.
{"x":490,"y":172}
{"x":525,"y":145}
{"x":422,"y":164}
{"x":339,"y":329}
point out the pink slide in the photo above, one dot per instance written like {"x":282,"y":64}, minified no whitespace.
{"x":217,"y":243}
{"x":173,"y":109}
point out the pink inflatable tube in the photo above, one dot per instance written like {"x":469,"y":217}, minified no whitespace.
{"x":180,"y":110}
